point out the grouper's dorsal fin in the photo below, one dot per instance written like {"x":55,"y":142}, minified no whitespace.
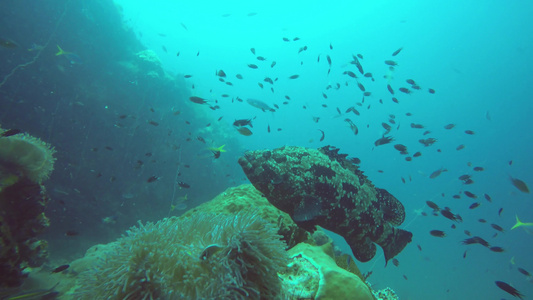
{"x":345,"y":162}
{"x":392,"y":208}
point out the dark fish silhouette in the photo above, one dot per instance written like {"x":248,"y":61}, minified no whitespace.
{"x":60,"y":268}
{"x":397,"y":51}
{"x":183,"y":185}
{"x":322,"y":187}
{"x":437,"y":233}
{"x":384,"y":140}
{"x":519,"y":184}
{"x":10,"y":132}
{"x":524,"y":272}
{"x":197,"y":100}
{"x":509,"y":289}
{"x":476,"y":240}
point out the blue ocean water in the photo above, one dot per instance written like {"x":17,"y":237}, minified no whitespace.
{"x":476,"y":56}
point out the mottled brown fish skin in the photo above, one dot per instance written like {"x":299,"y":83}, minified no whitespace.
{"x":296,"y":179}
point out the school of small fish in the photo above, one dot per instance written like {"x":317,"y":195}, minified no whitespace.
{"x":395,"y":92}
{"x":357,"y":80}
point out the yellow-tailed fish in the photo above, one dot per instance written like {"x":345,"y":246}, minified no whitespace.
{"x":219,"y":149}
{"x":521,"y":224}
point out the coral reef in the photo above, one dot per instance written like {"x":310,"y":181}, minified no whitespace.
{"x":313,"y":274}
{"x":149,"y":63}
{"x":227,"y":248}
{"x":25,"y":162}
{"x":385,"y":294}
{"x":246,"y":198}
{"x":201,"y":256}
{"x":322,"y":187}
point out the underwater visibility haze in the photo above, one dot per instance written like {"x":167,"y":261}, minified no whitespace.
{"x":402,"y":128}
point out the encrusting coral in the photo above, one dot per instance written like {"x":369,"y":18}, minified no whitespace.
{"x":204,"y":256}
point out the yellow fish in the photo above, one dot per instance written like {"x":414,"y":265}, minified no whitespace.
{"x":219,"y":149}
{"x":520,"y":224}
{"x":180,"y":204}
{"x":72,"y":57}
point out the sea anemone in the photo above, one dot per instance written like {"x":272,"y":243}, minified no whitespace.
{"x":204,"y":256}
{"x":27,"y":155}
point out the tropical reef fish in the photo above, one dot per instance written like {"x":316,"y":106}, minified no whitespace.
{"x":244,"y":130}
{"x":323,"y":135}
{"x":397,"y":51}
{"x":436,"y":174}
{"x":353,"y":127}
{"x":260,"y":104}
{"x":60,"y":268}
{"x":509,"y":289}
{"x":243,"y":122}
{"x":197,"y":100}
{"x":384,"y":140}
{"x":152,"y":179}
{"x":497,"y":249}
{"x":183,"y":185}
{"x":322,"y":187}
{"x":476,"y":240}
{"x":73,"y":58}
{"x":521,"y":224}
{"x":437,"y":233}
{"x":497,"y":227}
{"x":520,"y":185}
{"x":524,"y":272}
{"x":217,"y":151}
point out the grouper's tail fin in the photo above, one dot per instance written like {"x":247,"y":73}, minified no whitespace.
{"x":395,"y":243}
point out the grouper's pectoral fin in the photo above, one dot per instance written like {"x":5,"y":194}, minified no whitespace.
{"x":364,"y":250}
{"x":395,"y":242}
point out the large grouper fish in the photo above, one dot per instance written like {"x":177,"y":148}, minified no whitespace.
{"x":322,"y":187}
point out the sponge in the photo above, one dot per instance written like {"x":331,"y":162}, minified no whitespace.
{"x":321,"y":278}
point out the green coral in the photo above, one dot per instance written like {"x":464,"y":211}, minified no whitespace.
{"x":174,"y":259}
